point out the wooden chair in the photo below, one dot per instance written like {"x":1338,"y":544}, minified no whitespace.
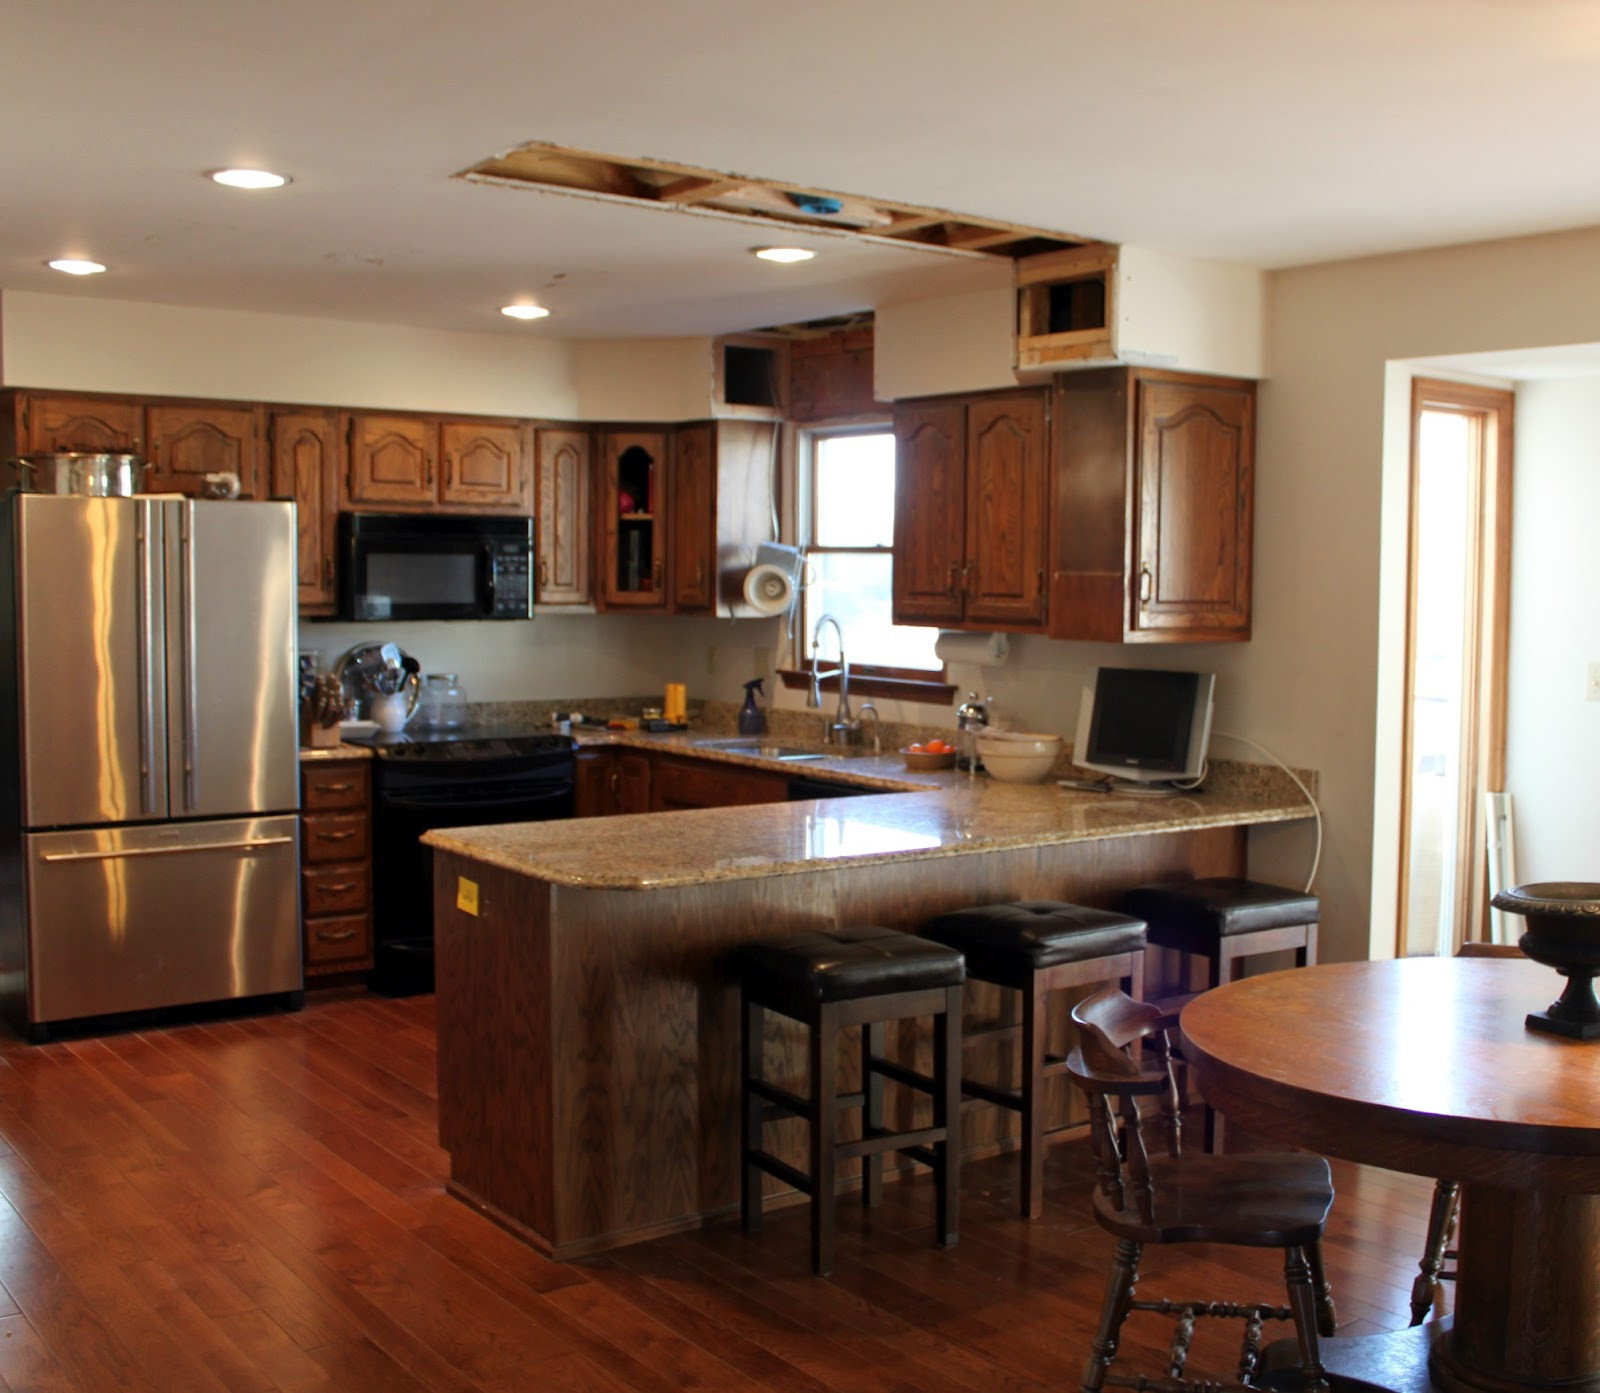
{"x":1436,"y":1249}
{"x":1250,"y":1200}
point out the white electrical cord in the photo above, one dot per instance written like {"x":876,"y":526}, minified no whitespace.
{"x":1316,"y":855}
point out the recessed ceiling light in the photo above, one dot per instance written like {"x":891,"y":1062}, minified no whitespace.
{"x":784,"y":254}
{"x":525,"y":311}
{"x":75,"y":266}
{"x":248,"y":178}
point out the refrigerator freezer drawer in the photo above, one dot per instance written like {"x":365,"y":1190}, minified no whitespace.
{"x":126,"y":919}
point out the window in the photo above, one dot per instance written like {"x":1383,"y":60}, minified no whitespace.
{"x":848,"y":520}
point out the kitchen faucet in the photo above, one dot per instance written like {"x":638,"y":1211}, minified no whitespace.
{"x":844,"y":727}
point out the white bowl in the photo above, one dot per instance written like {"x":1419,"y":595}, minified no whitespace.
{"x":1019,"y":758}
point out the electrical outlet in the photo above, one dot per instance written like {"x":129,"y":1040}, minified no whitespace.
{"x":1591,"y":690}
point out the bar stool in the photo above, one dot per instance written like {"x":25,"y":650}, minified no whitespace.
{"x":830,"y":980}
{"x":1225,"y":920}
{"x":1039,"y":947}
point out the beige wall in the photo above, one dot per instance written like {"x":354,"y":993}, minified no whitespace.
{"x":76,"y":343}
{"x":1309,"y":683}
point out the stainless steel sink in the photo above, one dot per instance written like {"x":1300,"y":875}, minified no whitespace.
{"x":764,"y":749}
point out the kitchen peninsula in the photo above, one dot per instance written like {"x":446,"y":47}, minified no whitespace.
{"x":588,"y":1028}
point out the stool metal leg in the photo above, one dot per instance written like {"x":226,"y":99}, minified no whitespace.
{"x":824,"y":1134}
{"x":872,"y":1046}
{"x":947,"y":1112}
{"x":1035,"y":1039}
{"x":753,"y":1026}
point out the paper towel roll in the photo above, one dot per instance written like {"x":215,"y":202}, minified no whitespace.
{"x":986,"y":650}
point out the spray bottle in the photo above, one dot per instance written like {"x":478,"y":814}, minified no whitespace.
{"x":752,"y":719}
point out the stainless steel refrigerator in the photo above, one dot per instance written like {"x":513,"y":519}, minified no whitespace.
{"x":149,"y":853}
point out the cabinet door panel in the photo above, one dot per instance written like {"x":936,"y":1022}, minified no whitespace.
{"x":1007,"y":492}
{"x":693,"y":560}
{"x":633,"y":782}
{"x":305,"y":470}
{"x":485,"y":465}
{"x":391,"y":459}
{"x":929,"y":513}
{"x":563,"y":460}
{"x":58,"y":423}
{"x":631,"y":532}
{"x":1195,"y":479}
{"x":186,"y":443}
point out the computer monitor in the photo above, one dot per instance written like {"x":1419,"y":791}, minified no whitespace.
{"x":1146,"y":726}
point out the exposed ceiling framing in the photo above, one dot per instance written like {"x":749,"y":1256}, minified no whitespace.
{"x":688,"y":188}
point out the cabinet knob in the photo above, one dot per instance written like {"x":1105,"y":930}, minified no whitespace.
{"x":336,"y":935}
{"x":427,"y":464}
{"x":950,"y":579}
{"x":1144,"y":585}
{"x":966,"y":576}
{"x":327,"y":570}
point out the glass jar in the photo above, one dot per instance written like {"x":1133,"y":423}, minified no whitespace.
{"x":442,"y":704}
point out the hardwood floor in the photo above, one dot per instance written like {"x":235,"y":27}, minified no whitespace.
{"x":258,"y":1203}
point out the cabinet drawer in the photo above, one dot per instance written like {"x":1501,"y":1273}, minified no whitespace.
{"x":325,"y":786}
{"x":338,"y":939}
{"x":336,"y":889}
{"x":333,"y":837}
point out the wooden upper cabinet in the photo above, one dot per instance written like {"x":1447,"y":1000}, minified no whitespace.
{"x":57,"y":422}
{"x":1153,"y":510}
{"x":184,"y":443}
{"x":303,"y":445}
{"x":1195,"y":483}
{"x":971,"y":496}
{"x":694,"y":502}
{"x":630,"y":532}
{"x":1007,"y":501}
{"x":929,"y":512}
{"x":562,"y":458}
{"x":391,"y":459}
{"x":485,"y":465}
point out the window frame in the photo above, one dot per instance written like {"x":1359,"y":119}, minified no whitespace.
{"x":924,"y":685}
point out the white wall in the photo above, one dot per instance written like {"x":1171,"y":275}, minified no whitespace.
{"x":956,"y":343}
{"x":1553,"y":733}
{"x":80,"y":344}
{"x":1202,"y":316}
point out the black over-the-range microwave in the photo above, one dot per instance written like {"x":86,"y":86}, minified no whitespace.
{"x":435,"y":566}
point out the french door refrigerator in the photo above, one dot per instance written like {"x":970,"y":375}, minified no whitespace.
{"x":149,"y":852}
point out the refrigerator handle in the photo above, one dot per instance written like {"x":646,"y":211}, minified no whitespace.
{"x":146,"y":558}
{"x":191,"y":695}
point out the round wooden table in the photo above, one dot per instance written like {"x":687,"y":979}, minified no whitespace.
{"x":1424,"y":1065}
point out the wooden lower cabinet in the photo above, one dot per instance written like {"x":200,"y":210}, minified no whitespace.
{"x":336,"y":865}
{"x":612,"y":781}
{"x":694,"y":783}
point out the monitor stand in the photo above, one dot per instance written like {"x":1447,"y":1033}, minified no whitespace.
{"x":1132,"y":788}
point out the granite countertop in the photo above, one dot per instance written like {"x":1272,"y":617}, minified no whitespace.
{"x":918,"y":815}
{"x":312,"y":754}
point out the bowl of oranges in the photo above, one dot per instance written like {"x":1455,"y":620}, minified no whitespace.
{"x":927,"y":755}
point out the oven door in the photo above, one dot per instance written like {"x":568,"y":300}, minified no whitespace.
{"x":402,"y":892}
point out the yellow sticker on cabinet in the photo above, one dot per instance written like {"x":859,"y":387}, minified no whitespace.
{"x":466,"y":895}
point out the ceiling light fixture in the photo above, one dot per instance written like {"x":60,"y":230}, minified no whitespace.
{"x":248,"y":178}
{"x":525,"y":311}
{"x":75,"y":266}
{"x":783,"y":254}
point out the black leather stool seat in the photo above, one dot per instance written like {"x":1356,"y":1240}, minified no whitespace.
{"x":833,"y":980}
{"x":1005,"y":942}
{"x":796,"y":974}
{"x":1190,"y":914}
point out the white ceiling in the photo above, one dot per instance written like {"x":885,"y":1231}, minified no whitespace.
{"x":1275,"y":132}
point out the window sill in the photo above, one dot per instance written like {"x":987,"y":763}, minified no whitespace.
{"x":900,"y":685}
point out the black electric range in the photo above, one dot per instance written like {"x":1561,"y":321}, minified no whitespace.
{"x":474,"y":776}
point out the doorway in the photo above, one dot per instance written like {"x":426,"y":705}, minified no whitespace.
{"x":1459,"y":568}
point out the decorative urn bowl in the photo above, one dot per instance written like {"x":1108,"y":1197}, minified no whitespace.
{"x":1563,"y":933}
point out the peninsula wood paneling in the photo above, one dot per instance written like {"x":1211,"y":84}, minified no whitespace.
{"x":626,"y":1125}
